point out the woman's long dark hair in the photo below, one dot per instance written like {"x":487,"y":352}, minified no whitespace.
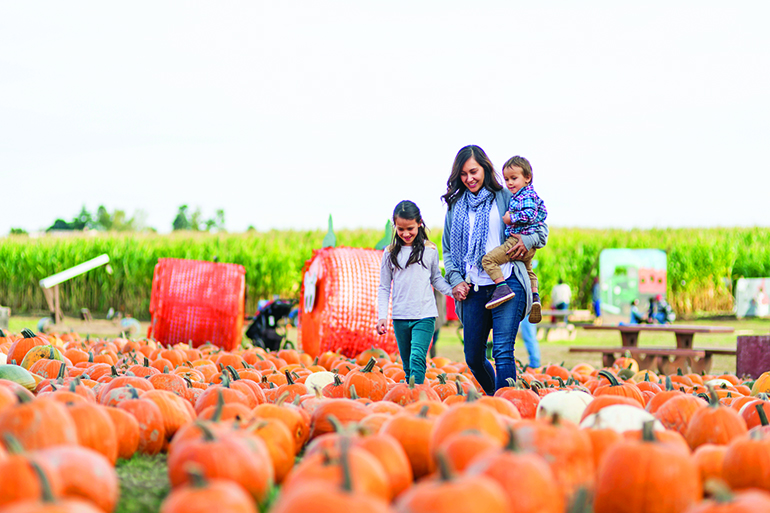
{"x":408,"y":211}
{"x":455,"y":186}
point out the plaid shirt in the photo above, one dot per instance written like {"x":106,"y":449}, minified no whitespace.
{"x":527,"y":211}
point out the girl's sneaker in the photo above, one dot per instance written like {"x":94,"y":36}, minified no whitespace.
{"x":500,"y":295}
{"x":535,"y":312}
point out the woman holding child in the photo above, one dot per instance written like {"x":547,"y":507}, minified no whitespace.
{"x":476,"y":204}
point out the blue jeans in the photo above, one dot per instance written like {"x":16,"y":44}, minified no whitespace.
{"x":413,"y":337}
{"x":504,"y":323}
{"x":529,"y":334}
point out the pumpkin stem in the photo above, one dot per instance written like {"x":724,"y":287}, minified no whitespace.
{"x":220,"y":406}
{"x":62,"y":372}
{"x":473,"y":394}
{"x":610,"y":377}
{"x":347,"y":475}
{"x":12,"y":444}
{"x":460,"y":390}
{"x":2,"y":333}
{"x":424,"y":412}
{"x":289,"y":379}
{"x":352,"y":392}
{"x":648,"y":431}
{"x":411,"y":382}
{"x":762,"y":415}
{"x":146,"y":362}
{"x":441,"y":378}
{"x":133,"y":393}
{"x":282,"y":398}
{"x":336,"y":424}
{"x":511,"y":382}
{"x":233,"y":373}
{"x":713,"y":398}
{"x":513,"y":441}
{"x":28,"y":333}
{"x":90,"y":357}
{"x":581,"y":502}
{"x":561,"y":382}
{"x":669,"y":384}
{"x":208,"y":435}
{"x":337,"y":380}
{"x":444,"y":470}
{"x":23,"y":397}
{"x":369,"y":365}
{"x":718,"y":490}
{"x":45,"y":485}
{"x":225,"y":379}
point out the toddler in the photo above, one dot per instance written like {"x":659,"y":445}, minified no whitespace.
{"x":525,"y":211}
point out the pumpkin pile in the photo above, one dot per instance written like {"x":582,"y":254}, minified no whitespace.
{"x":336,"y":432}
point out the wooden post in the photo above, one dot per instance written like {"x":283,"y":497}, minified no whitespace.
{"x":57,"y":314}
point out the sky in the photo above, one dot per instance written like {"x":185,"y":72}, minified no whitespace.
{"x":633,"y":114}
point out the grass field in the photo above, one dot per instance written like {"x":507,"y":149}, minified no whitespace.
{"x":450,"y":346}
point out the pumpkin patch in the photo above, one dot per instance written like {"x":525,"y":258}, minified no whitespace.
{"x":250,"y":430}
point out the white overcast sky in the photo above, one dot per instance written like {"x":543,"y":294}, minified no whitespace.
{"x":633,"y":114}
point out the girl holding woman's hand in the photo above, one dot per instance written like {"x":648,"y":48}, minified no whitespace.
{"x":476,"y":203}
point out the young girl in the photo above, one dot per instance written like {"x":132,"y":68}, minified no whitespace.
{"x":411,"y":264}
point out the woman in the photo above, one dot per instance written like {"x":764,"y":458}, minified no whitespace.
{"x":476,"y":203}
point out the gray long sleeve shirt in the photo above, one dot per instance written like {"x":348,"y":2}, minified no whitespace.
{"x":412,"y":292}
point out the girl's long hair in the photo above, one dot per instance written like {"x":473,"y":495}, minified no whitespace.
{"x":409,"y":211}
{"x":455,"y":186}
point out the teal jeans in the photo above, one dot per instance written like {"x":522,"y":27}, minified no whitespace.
{"x":414,"y":337}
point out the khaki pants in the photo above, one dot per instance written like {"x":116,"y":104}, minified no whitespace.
{"x":492,"y":261}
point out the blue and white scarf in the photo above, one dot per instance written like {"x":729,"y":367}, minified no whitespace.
{"x":461,"y":250}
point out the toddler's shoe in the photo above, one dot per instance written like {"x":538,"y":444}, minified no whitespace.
{"x":535,"y":312}
{"x":500,"y":295}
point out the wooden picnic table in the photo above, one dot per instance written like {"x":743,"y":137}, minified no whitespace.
{"x":667,"y":360}
{"x":629,"y":333}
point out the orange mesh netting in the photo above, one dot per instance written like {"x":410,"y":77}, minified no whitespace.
{"x":343,"y":313}
{"x":197,"y":301}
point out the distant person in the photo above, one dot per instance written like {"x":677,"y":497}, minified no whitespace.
{"x":763,"y":303}
{"x":561,"y":295}
{"x":660,"y":311}
{"x":526,"y":212}
{"x":529,"y":335}
{"x":409,"y":268}
{"x":440,"y":320}
{"x":596,"y":300}
{"x":637,"y":317}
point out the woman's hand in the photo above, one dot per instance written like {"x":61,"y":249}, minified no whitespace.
{"x":382,"y":327}
{"x":460,"y":291}
{"x":518,"y":251}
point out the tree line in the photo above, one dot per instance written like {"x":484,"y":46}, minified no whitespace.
{"x":102,"y":219}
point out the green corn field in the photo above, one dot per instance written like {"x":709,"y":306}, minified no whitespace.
{"x":702,"y":263}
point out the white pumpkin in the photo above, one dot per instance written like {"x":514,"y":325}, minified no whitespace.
{"x":318,"y":380}
{"x":718,"y":382}
{"x":3,"y":359}
{"x":568,"y":404}
{"x":620,"y":417}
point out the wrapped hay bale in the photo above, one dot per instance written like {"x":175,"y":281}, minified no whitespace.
{"x":338,"y":310}
{"x":197,"y":301}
